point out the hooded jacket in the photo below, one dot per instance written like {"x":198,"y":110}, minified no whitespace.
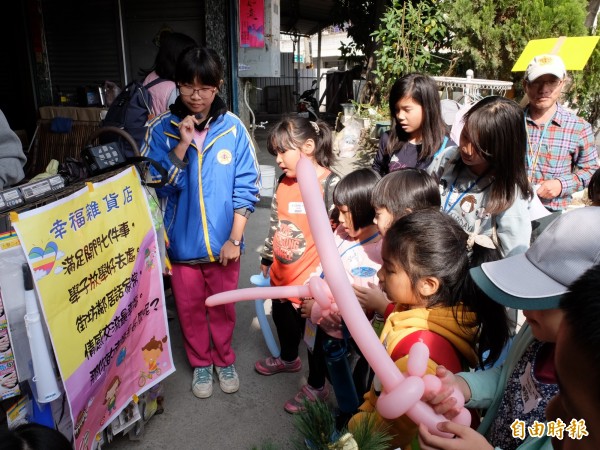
{"x":204,"y":191}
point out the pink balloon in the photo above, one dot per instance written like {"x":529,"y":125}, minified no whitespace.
{"x":432,"y":384}
{"x":399,"y":401}
{"x":258,"y":292}
{"x":418,"y":356}
{"x":353,"y":315}
{"x":464,"y":417}
{"x":321,"y":293}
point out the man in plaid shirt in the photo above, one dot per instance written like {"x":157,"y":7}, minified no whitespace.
{"x":561,"y":154}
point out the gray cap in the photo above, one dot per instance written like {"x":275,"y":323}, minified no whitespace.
{"x":537,"y":279}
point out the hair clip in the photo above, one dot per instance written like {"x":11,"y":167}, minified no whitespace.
{"x":315,"y":127}
{"x":481,"y":240}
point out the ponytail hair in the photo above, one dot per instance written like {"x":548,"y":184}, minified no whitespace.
{"x":293,"y":132}
{"x":429,"y":243}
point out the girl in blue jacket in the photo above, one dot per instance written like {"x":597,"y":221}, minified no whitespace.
{"x":212,"y":186}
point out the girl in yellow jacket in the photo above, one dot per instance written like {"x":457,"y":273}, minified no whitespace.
{"x":425,"y":265}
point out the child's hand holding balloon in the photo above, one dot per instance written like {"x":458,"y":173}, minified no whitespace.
{"x":443,"y":401}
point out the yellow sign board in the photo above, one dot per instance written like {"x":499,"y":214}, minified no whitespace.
{"x":574,"y":51}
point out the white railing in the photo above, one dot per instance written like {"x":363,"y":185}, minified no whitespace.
{"x":471,"y":89}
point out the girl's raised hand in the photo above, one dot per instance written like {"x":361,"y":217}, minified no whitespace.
{"x":186,"y":129}
{"x":371,"y":298}
{"x":186,"y":134}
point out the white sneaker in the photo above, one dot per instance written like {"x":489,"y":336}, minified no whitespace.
{"x":202,"y":383}
{"x":228,"y":379}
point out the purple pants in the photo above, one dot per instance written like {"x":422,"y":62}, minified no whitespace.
{"x":191,"y":285}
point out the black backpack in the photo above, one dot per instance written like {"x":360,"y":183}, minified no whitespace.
{"x":131,"y":111}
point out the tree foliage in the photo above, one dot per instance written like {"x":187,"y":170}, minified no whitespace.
{"x":360,"y":18}
{"x":584,"y":93}
{"x":489,"y":35}
{"x":409,"y":37}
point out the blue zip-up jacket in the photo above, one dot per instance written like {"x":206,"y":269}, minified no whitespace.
{"x":203,"y":192}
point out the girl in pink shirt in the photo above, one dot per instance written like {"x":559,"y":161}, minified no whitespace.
{"x":359,"y":245}
{"x":164,"y":93}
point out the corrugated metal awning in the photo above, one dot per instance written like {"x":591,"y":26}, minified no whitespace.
{"x":305,"y":17}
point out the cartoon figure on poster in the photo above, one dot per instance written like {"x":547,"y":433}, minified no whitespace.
{"x":110,"y":397}
{"x":151,"y":352}
{"x":401,"y":394}
{"x":149,"y":258}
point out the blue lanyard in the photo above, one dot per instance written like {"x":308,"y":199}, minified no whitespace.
{"x":363,"y":242}
{"x":442,"y":147}
{"x":471,"y":186}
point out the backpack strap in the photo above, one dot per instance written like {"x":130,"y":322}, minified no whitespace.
{"x":440,"y":349}
{"x":154,"y":83}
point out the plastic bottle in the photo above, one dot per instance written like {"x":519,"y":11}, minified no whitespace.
{"x":340,"y":374}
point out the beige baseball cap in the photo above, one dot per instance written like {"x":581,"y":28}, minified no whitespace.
{"x":545,"y":65}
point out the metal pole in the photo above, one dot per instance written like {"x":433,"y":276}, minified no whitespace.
{"x":296,"y":41}
{"x":233,"y":46}
{"x":319,"y":65}
{"x":122,"y":35}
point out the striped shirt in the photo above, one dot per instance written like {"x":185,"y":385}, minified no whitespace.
{"x":565,"y":151}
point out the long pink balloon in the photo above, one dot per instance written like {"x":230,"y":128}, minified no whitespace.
{"x":258,"y":292}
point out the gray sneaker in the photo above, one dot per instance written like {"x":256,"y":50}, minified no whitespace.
{"x":228,"y":379}
{"x":202,"y":382}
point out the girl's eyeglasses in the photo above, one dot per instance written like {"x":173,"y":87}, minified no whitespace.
{"x":204,"y":93}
